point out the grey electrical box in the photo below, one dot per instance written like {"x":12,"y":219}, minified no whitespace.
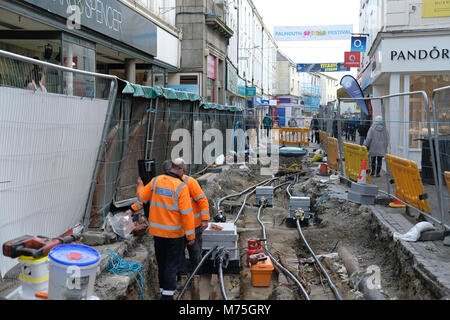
{"x":222,"y":235}
{"x":296,"y":203}
{"x":362,"y":193}
{"x":266,"y":193}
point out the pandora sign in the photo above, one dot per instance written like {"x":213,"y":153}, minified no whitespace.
{"x":416,"y":54}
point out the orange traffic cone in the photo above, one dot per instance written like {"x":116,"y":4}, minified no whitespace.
{"x":396,"y":203}
{"x":363,"y":175}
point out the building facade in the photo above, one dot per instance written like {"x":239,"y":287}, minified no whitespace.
{"x":408,"y":50}
{"x":204,"y":49}
{"x":122,"y":38}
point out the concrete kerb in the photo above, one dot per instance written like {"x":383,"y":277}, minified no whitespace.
{"x":423,"y":267}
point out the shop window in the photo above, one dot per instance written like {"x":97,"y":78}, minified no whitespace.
{"x":418,"y":128}
{"x":82,"y":57}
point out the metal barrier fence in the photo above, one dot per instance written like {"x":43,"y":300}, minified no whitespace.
{"x":53,"y":127}
{"x":354,"y":156}
{"x":419,"y":127}
{"x":294,"y":136}
{"x":145,"y":126}
{"x":408,"y":183}
{"x":333,"y":153}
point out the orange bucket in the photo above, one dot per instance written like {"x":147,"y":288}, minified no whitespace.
{"x":262,"y":273}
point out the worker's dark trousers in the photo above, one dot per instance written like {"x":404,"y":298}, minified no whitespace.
{"x":195,"y":253}
{"x":168,"y":252}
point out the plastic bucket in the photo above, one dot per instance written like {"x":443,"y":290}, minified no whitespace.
{"x":34,"y":269}
{"x":72,"y":272}
{"x":29,"y":288}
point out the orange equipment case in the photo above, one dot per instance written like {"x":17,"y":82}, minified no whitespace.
{"x":262,"y":273}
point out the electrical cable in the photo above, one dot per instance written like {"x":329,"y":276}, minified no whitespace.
{"x":279,"y":265}
{"x":206,"y":256}
{"x":325,"y":273}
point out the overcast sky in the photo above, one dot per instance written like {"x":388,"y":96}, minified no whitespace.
{"x":312,"y":13}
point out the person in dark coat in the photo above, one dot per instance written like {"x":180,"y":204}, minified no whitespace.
{"x":315,"y":129}
{"x":335,"y":127}
{"x":363,"y":128}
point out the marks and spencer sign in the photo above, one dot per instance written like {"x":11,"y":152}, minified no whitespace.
{"x":416,"y":54}
{"x":108,"y":17}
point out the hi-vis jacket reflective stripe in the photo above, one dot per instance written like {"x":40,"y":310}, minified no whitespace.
{"x":198,"y":200}
{"x":171,"y":214}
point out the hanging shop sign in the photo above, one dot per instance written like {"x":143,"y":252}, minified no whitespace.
{"x":352,"y":59}
{"x":232,"y":79}
{"x":211,"y":67}
{"x":416,"y":54}
{"x":108,"y":17}
{"x":313,"y":33}
{"x":321,"y":67}
{"x":358,"y":44}
{"x":250,"y":92}
{"x":241,"y":87}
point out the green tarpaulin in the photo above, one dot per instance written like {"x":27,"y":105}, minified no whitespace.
{"x":171,"y":94}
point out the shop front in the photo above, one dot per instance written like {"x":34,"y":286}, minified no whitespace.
{"x":409,"y":63}
{"x":99,"y":36}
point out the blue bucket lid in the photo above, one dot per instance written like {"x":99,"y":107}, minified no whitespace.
{"x":74,"y":255}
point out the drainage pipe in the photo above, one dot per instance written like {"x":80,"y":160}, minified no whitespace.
{"x":279,"y":265}
{"x":357,"y":277}
{"x":325,"y":273}
{"x":210,"y":252}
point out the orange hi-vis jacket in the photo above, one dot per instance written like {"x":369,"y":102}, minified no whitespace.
{"x":198,"y":200}
{"x":171,"y":214}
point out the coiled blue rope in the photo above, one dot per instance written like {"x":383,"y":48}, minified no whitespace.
{"x":116,"y":265}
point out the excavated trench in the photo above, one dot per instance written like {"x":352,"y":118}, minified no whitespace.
{"x":336,"y":223}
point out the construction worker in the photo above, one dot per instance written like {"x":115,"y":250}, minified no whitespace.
{"x":171,"y":221}
{"x":201,"y":214}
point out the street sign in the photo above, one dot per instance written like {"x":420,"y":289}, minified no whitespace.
{"x":250,"y":92}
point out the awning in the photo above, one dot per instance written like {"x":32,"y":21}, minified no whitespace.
{"x":153,"y":92}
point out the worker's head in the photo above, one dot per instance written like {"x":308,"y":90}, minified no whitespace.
{"x":179,"y":166}
{"x":167,"y":166}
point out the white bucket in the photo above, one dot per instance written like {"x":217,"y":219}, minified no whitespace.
{"x":29,"y":288}
{"x":34,"y":269}
{"x":72,"y":270}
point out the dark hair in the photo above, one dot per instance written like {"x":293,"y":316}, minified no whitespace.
{"x":167,"y":165}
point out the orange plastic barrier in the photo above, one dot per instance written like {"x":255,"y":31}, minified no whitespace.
{"x":333,"y":153}
{"x":323,"y":140}
{"x":354,"y":155}
{"x":408,"y":183}
{"x":447,"y":179}
{"x":294,"y":136}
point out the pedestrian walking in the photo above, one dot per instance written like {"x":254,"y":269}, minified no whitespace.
{"x":377,"y":142}
{"x":171,"y":219}
{"x":363,"y":128}
{"x":267,"y":123}
{"x":315,"y":128}
{"x":292,"y":123}
{"x":335,"y":126}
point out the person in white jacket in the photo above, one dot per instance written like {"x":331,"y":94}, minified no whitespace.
{"x":377,"y":142}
